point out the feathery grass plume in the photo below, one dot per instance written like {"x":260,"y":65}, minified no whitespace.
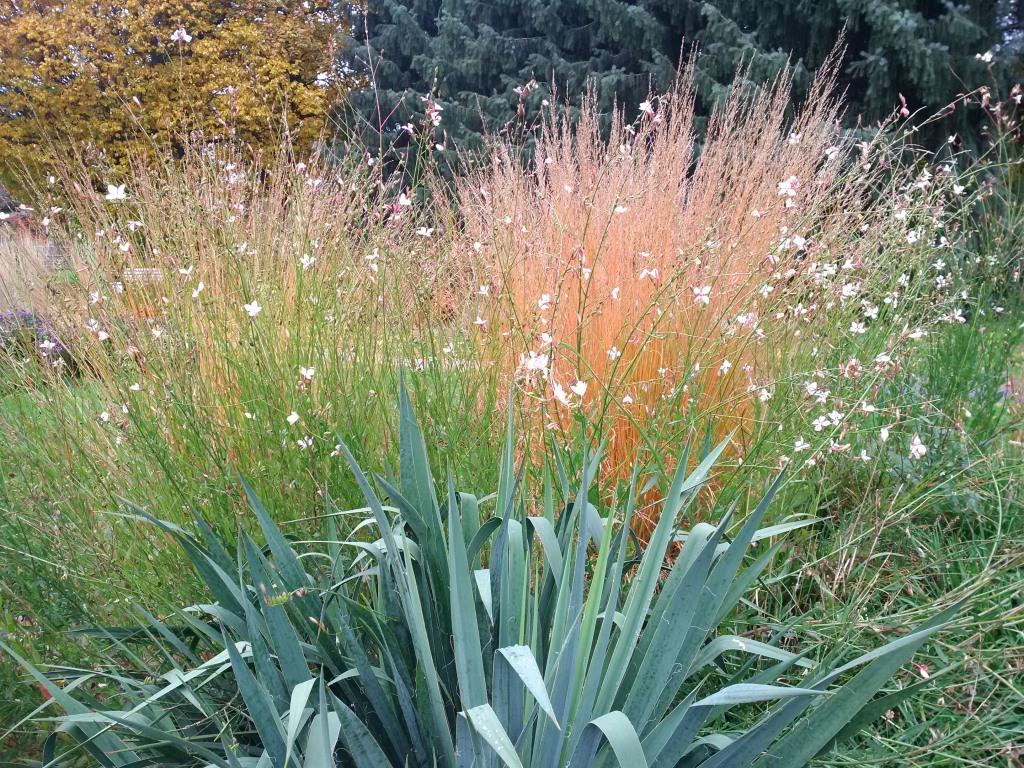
{"x":646,"y":277}
{"x":217,"y":295}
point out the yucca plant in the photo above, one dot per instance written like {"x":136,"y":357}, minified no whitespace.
{"x":537,"y":636}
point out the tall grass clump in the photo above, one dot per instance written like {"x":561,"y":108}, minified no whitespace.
{"x":637,"y":286}
{"x":227,"y":311}
{"x":657,"y":281}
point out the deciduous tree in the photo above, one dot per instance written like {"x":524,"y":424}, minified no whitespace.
{"x":127,"y":76}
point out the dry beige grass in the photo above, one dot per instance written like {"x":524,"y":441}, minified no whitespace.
{"x":23,"y":271}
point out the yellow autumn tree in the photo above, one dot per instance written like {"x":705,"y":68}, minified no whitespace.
{"x":120,"y":78}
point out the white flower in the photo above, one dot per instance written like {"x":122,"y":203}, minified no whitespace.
{"x":800,"y":445}
{"x":702,"y":294}
{"x":534,"y":362}
{"x":372,"y":258}
{"x":615,"y":293}
{"x":646,"y":107}
{"x":116,"y":192}
{"x":305,"y":442}
{"x":917,"y":448}
{"x":307,"y":373}
{"x":883,"y":435}
{"x":621,"y":209}
{"x":651,"y":273}
{"x":579,"y":388}
{"x":788,"y":187}
{"x":293,"y":417}
{"x":958,"y":189}
{"x":198,"y":289}
{"x":307,"y":261}
{"x":47,"y":346}
{"x":480,"y":321}
{"x":559,"y":393}
{"x":614,"y":353}
{"x":849,"y":290}
{"x":425,"y":231}
{"x":794,"y":138}
{"x":627,"y":400}
{"x":796,"y":242}
{"x":105,"y":416}
{"x":180,"y":36}
{"x":252,"y":309}
{"x":544,"y":302}
{"x":724,"y":367}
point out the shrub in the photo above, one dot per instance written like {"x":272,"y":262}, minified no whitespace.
{"x":448,"y":638}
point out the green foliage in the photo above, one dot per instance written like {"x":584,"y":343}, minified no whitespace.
{"x":491,"y":67}
{"x":450,"y":639}
{"x":118,"y":80}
